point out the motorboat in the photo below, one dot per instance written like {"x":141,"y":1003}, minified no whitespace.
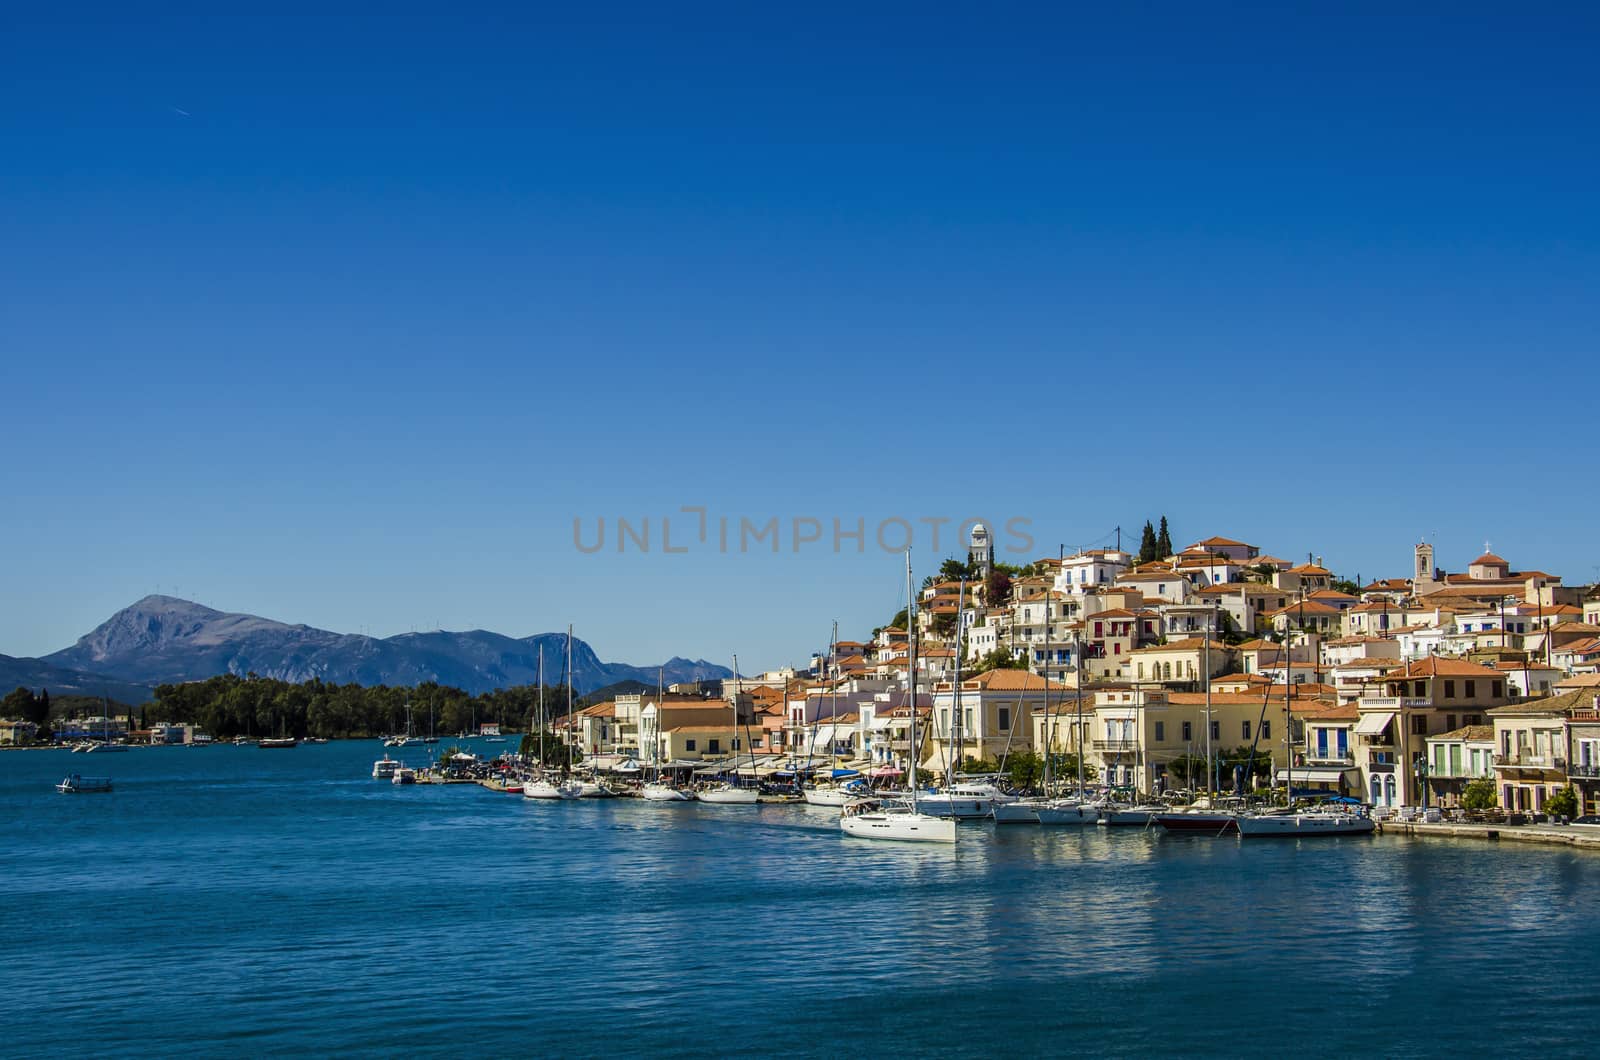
{"x":104,"y":748}
{"x":277,"y":743}
{"x":658,"y":792}
{"x":1020,"y":811}
{"x":897,"y":820}
{"x":384,"y":768}
{"x":1300,"y":825}
{"x":727,"y":795}
{"x":81,"y":785}
{"x":404,"y":775}
{"x":963,"y":801}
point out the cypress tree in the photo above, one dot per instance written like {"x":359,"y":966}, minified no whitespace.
{"x":1147,"y":544}
{"x":1164,"y":540}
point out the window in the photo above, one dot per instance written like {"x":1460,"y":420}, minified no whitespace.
{"x":688,"y":745}
{"x":1216,"y":730}
{"x":1266,"y":730}
{"x":1419,"y":725}
{"x":1450,"y":719}
{"x":1496,"y":688}
{"x":713,"y":746}
{"x":1188,"y":731}
{"x":1472,"y":689}
{"x":1449,"y":690}
{"x":1099,"y":629}
{"x":1005,"y":719}
{"x":1245,"y":727}
{"x":1161,"y":731}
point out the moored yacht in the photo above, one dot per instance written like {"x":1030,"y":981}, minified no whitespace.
{"x":384,"y":768}
{"x":879,"y":819}
{"x":1299,"y":825}
{"x":550,"y":789}
{"x":659,"y":792}
{"x":727,"y":795}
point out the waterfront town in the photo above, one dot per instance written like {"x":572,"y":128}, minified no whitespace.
{"x":1214,"y":666}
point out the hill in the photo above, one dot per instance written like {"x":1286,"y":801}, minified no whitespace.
{"x":163,"y":639}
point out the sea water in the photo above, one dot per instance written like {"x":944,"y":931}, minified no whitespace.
{"x":238,"y":901}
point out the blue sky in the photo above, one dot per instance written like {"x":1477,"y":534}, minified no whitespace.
{"x":344,"y":320}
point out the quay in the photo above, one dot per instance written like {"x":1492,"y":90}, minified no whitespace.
{"x":1556,"y":835}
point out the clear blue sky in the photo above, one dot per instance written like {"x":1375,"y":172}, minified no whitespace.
{"x":345,"y":320}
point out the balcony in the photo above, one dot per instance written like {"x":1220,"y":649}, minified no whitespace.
{"x":1526,"y":760}
{"x":1314,"y":759}
{"x":1584,"y":769}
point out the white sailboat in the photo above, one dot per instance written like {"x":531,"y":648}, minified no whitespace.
{"x":1074,"y":810}
{"x":901,"y":820}
{"x":541,"y":787}
{"x":728,"y":792}
{"x":656,"y":790}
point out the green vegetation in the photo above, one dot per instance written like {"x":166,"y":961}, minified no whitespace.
{"x":999,"y":659}
{"x":1563,"y":803}
{"x":1345,"y":585}
{"x":229,"y":706}
{"x":1154,"y":544}
{"x":1479,"y":795}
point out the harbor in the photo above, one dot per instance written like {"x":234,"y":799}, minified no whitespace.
{"x":290,"y":897}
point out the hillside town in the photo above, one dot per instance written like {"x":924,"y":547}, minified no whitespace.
{"x":1399,"y":692}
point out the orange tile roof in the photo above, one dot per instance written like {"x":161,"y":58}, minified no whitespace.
{"x":1439,"y":666}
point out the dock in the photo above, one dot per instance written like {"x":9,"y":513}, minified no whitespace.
{"x":1553,"y":835}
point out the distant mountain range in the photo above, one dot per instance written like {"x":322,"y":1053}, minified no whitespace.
{"x":163,"y":639}
{"x":37,"y":674}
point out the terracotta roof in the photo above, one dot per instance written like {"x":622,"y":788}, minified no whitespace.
{"x":1477,"y":733}
{"x":1188,"y":644}
{"x":1010,"y":681}
{"x":1215,"y":541}
{"x":1437,"y":666}
{"x":1312,"y":569}
{"x":601,"y":710}
{"x":1489,"y":558}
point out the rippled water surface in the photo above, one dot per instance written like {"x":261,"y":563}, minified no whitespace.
{"x":237,"y":901}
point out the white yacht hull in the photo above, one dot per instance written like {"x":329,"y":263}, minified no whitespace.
{"x":662,"y":793}
{"x":903,"y":827}
{"x":729,"y":796}
{"x":955,"y":806}
{"x":1130,"y":817}
{"x":1068,"y":814}
{"x":544,"y":789}
{"x":1023,"y":811}
{"x":1297,"y":825}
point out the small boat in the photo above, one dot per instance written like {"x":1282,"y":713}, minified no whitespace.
{"x":81,"y":785}
{"x":105,"y":748}
{"x":384,"y":768}
{"x":1022,"y":811}
{"x":277,"y":743}
{"x":728,"y":795}
{"x":658,"y":792}
{"x":1303,"y":825}
{"x":243,"y":741}
{"x":593,"y":789}
{"x":897,"y":820}
{"x":404,"y":775}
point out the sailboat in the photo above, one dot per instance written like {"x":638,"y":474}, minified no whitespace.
{"x":541,"y":787}
{"x":105,"y":746}
{"x":656,"y":790}
{"x":728,"y":792}
{"x":902,"y":821}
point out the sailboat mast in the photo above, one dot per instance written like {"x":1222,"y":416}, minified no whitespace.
{"x":1210,"y":765}
{"x":568,"y":767}
{"x":958,"y":736}
{"x":1077,"y":650}
{"x":911,"y":677}
{"x":733,"y":730}
{"x":541,"y":706}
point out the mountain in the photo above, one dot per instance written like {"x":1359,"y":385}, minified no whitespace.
{"x":36,"y":674}
{"x":163,"y":639}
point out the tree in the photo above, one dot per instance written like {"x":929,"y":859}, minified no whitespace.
{"x":1345,"y":585}
{"x":953,"y":570}
{"x":1148,"y":549}
{"x":999,"y":659}
{"x":19,"y":703}
{"x":41,"y":708}
{"x":1563,"y":803}
{"x":1025,"y":769}
{"x":996,"y":587}
{"x":1479,"y":795}
{"x":1164,"y":540}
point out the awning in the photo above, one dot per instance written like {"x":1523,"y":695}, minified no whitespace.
{"x":1315,"y":775}
{"x":1373,"y":724}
